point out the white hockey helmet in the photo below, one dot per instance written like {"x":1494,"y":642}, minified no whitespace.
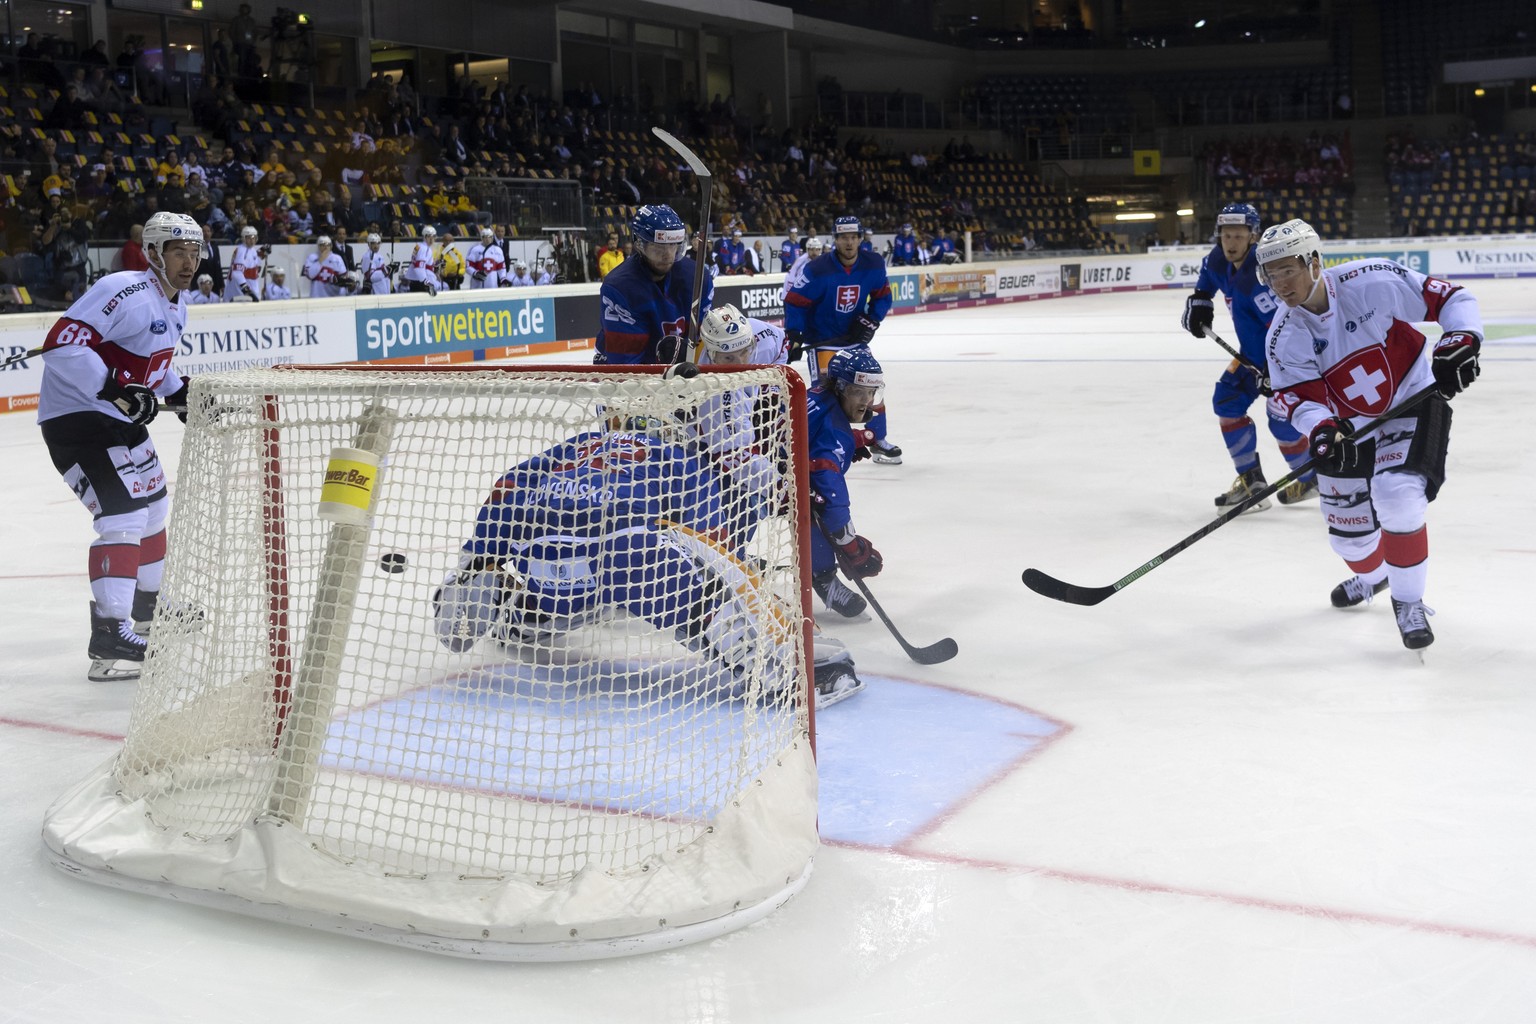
{"x":373,"y":238}
{"x":814,"y":244}
{"x":487,"y":235}
{"x":323,"y":242}
{"x":725,"y":331}
{"x":165,"y":227}
{"x":248,"y":232}
{"x":204,"y":279}
{"x":278,"y":272}
{"x":1293,"y":238}
{"x":520,"y":265}
{"x":429,"y":232}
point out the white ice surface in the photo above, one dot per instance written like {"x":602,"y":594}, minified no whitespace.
{"x":1264,"y":809}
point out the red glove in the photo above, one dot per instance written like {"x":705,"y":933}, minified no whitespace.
{"x":862,"y":439}
{"x":859,"y":559}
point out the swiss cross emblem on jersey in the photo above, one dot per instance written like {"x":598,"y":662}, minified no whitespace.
{"x":847,"y":298}
{"x":1362,"y":384}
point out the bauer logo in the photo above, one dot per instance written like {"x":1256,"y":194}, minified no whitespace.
{"x":401,"y":331}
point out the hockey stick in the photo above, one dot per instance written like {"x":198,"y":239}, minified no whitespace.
{"x":20,"y":357}
{"x":706,"y":187}
{"x":1263,"y":378}
{"x":1057,"y":590}
{"x":933,"y":654}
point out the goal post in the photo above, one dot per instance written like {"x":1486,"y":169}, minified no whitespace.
{"x":506,"y":663}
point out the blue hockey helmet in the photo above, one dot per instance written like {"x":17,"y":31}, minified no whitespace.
{"x":658,"y":223}
{"x":847,"y":226}
{"x":1238,"y":215}
{"x":855,"y":367}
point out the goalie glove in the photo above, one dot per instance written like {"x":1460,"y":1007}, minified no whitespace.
{"x":134,"y":401}
{"x":862,"y":330}
{"x":1455,"y":362}
{"x":1333,"y":446}
{"x":1199,"y":313}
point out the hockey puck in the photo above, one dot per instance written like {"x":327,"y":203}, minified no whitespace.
{"x":394,"y":561}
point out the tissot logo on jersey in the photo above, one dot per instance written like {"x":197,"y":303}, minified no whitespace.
{"x":117,"y":299}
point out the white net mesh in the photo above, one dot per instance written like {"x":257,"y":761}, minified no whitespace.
{"x":521,"y":627}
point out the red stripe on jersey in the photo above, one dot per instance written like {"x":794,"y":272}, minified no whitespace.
{"x":152,"y":549}
{"x":881,"y":292}
{"x":1291,"y":397}
{"x":129,"y":367}
{"x":817,"y":465}
{"x":1436,"y":292}
{"x":796,"y":299}
{"x":114,"y":561}
{"x":67,"y":331}
{"x":625,"y":344}
{"x":1405,"y":549}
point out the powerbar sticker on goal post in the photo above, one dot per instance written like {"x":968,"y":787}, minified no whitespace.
{"x":347,"y":492}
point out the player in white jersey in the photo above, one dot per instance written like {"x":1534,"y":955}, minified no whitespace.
{"x":106,"y":365}
{"x":420,"y":275}
{"x":1343,"y":352}
{"x":814,"y":247}
{"x":325,"y":271}
{"x":277,"y":288}
{"x":727,"y":432}
{"x":519,"y":277}
{"x":486,"y":263}
{"x":374,"y":269}
{"x":245,"y":267}
{"x":203,"y":294}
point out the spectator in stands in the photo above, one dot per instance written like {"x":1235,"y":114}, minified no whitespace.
{"x":64,"y":248}
{"x":301,"y":222}
{"x":242,"y":34}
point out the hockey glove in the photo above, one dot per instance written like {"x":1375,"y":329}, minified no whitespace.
{"x":862,"y":331}
{"x":1455,"y":362}
{"x":862,"y":439}
{"x":247,"y":290}
{"x":1263,"y":381}
{"x":1199,"y":313}
{"x":134,"y":401}
{"x":479,"y":275}
{"x":1333,"y":447}
{"x":796,"y":342}
{"x":176,"y":401}
{"x":671,"y":349}
{"x":859,"y":559}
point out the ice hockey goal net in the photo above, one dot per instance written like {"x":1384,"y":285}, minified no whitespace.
{"x":509,"y":663}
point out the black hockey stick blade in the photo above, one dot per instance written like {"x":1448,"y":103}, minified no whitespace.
{"x":933,"y":654}
{"x":1057,"y":590}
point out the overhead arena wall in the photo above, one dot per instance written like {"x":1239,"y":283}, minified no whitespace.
{"x":462,"y":326}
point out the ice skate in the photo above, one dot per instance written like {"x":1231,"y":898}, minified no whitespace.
{"x":1297,"y":490}
{"x":885,"y":453}
{"x":147,"y":610}
{"x":113,"y":641}
{"x":1246,"y":485}
{"x":1355,"y":590}
{"x":836,"y":680}
{"x":835,"y":594}
{"x":1413,"y":623}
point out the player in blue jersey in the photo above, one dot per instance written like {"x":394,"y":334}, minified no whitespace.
{"x":647,"y":299}
{"x":790,"y":250}
{"x":904,"y":248}
{"x":848,"y":393}
{"x":1232,"y":268}
{"x":838,"y":303}
{"x":605,"y":519}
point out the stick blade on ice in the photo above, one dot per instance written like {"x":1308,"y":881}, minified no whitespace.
{"x":1057,"y":590}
